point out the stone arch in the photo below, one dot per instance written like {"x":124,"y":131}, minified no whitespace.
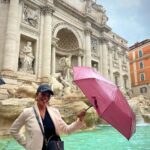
{"x":63,"y":25}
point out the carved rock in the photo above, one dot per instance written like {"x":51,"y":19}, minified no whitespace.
{"x":12,"y":107}
{"x":141,"y":106}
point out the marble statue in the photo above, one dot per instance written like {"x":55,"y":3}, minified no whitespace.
{"x":26,"y":58}
{"x":104,"y":19}
{"x":65,"y":62}
{"x":88,"y":7}
{"x":95,"y":67}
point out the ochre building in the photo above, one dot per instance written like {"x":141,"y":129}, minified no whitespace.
{"x":139,"y":56}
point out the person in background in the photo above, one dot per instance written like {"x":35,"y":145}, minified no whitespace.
{"x":2,"y":81}
{"x":50,"y":118}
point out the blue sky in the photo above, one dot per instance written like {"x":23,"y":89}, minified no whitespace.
{"x":128,"y":18}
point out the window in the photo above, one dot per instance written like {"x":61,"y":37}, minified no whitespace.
{"x":142,"y":77}
{"x":116,"y":78}
{"x":141,"y":65}
{"x":143,"y":90}
{"x":140,"y":53}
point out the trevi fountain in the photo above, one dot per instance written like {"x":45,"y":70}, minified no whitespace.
{"x":68,"y":99}
{"x":42,"y":40}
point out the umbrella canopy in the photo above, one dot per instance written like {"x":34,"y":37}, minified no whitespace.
{"x":2,"y":81}
{"x":107,"y":99}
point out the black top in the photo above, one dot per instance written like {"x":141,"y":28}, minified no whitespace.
{"x":49,"y":127}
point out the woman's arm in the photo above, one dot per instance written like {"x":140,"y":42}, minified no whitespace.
{"x":16,"y":127}
{"x":67,"y":129}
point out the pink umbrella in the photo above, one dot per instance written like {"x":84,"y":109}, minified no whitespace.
{"x":107,"y":99}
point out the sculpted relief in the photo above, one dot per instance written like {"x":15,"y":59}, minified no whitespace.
{"x":26,"y":58}
{"x":30,"y":16}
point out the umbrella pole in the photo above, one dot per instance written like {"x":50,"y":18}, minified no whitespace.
{"x":88,"y":107}
{"x":83,"y":112}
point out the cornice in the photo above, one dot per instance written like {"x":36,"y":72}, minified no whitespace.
{"x":67,"y":8}
{"x":64,"y":50}
{"x":29,"y":29}
{"x":107,"y":38}
{"x":47,"y":9}
{"x":37,"y":2}
{"x":84,"y":17}
{"x":139,"y":47}
{"x":140,"y":44}
{"x":4,"y":1}
{"x":89,"y":18}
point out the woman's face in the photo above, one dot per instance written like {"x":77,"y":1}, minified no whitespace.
{"x":43,"y":98}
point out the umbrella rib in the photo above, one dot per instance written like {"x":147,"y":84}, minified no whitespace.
{"x":107,"y":107}
{"x":110,"y":106}
{"x":92,"y":78}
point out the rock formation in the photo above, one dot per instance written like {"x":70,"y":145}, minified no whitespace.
{"x":22,"y":96}
{"x":13,"y":99}
{"x":141,"y":106}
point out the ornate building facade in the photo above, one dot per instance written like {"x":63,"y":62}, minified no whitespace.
{"x":139,"y":56}
{"x":37,"y":37}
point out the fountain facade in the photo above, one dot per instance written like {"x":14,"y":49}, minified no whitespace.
{"x":42,"y":40}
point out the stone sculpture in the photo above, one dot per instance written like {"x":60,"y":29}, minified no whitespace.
{"x":65,"y":62}
{"x":26,"y":58}
{"x":24,"y":90}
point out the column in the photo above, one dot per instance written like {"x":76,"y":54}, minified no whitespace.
{"x":79,"y":60}
{"x":46,"y":52}
{"x":128,"y":70}
{"x":121,"y":81}
{"x":101,"y":56}
{"x":104,"y":58}
{"x":88,"y":47}
{"x":53,"y":64}
{"x":134,"y":69}
{"x":10,"y":61}
{"x":110,"y":63}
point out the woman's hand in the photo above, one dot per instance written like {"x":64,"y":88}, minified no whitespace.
{"x":81,"y":115}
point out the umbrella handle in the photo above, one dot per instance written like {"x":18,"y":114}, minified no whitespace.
{"x":88,"y":107}
{"x":83,"y":112}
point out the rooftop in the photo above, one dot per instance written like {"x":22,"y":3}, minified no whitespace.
{"x":137,"y":44}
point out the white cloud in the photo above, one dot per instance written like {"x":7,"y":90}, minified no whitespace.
{"x":130,"y":3}
{"x":128,"y":18}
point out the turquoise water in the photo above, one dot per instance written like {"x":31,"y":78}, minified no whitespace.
{"x":102,"y":138}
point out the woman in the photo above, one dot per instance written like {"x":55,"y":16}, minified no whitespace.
{"x":49,"y":117}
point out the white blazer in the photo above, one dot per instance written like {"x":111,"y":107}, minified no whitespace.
{"x":33,"y":138}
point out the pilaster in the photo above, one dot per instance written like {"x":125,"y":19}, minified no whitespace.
{"x":88,"y":33}
{"x":53,"y":64}
{"x":104,"y":56}
{"x":10,"y":49}
{"x":47,"y":11}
